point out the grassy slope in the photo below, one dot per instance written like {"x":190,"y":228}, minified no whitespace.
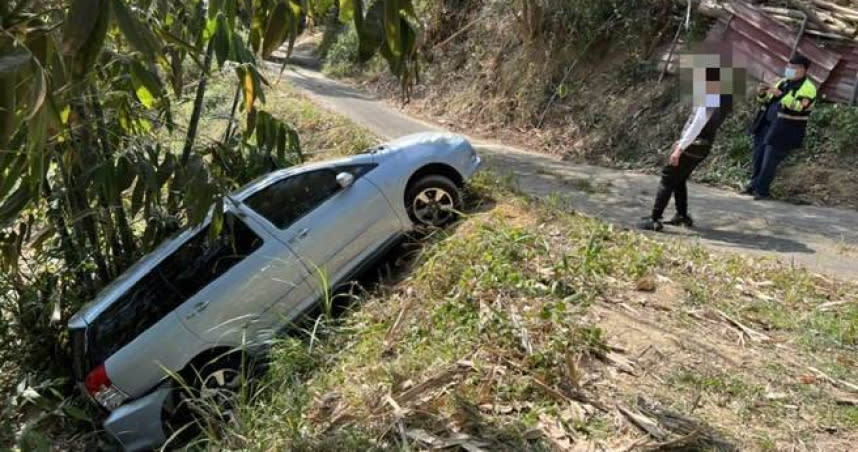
{"x":526,"y":326}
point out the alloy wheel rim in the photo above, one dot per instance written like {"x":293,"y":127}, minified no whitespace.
{"x":433,"y":206}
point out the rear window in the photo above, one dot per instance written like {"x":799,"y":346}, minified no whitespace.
{"x":178,"y":277}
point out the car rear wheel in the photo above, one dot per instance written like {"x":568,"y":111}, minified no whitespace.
{"x":207,"y":395}
{"x":432,"y":201}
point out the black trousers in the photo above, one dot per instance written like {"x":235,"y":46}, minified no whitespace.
{"x":674,"y":182}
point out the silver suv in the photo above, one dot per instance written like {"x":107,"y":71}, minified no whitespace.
{"x":195,"y":298}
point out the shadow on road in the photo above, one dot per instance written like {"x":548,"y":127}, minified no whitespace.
{"x":749,"y":241}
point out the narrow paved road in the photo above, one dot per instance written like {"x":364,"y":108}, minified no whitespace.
{"x":824,"y":240}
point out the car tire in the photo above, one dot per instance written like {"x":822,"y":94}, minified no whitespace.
{"x":432,"y":201}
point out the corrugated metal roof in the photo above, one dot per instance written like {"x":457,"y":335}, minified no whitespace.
{"x":763,"y":45}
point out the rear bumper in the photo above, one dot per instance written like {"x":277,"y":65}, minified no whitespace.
{"x":137,"y":425}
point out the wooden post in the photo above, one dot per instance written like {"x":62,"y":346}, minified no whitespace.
{"x":800,"y":34}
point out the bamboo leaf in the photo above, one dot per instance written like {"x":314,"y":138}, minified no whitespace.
{"x":371,"y":34}
{"x":166,"y":169}
{"x":137,"y":197}
{"x":294,"y":24}
{"x":139,"y":36}
{"x":222,"y":44}
{"x":392,"y":24}
{"x":231,"y":11}
{"x":407,"y":7}
{"x":295,"y":145}
{"x":8,"y":118}
{"x":216,"y":226}
{"x":242,"y":53}
{"x":16,"y":167}
{"x":79,"y":24}
{"x":275,"y":32}
{"x":14,"y":204}
{"x":11,"y":63}
{"x":215,"y":6}
{"x":147,"y":84}
{"x":257,"y":26}
{"x":37,"y":136}
{"x":124,"y":174}
{"x":182,"y":44}
{"x":249,"y":88}
{"x":350,"y":10}
{"x":271,"y":134}
{"x":41,"y":91}
{"x":88,"y":54}
{"x":282,"y":141}
{"x":76,"y":413}
{"x":261,"y":124}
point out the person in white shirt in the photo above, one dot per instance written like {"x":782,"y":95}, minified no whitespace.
{"x":712,"y":103}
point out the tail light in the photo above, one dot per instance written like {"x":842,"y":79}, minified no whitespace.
{"x":98,"y":385}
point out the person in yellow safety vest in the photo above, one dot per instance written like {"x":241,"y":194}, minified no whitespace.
{"x":781,"y":124}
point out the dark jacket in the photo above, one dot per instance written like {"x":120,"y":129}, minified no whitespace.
{"x":782,"y":121}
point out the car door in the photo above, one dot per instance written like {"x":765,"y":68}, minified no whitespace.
{"x":332,"y":228}
{"x":233,"y":280}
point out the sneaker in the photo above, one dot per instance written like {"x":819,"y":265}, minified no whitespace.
{"x":681,"y":220}
{"x":763,"y":197}
{"x":748,"y":190}
{"x":650,"y":224}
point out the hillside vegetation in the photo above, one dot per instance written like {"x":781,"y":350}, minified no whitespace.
{"x":578,"y":79}
{"x":39,"y":406}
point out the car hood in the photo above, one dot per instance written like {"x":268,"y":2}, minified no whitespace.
{"x":418,"y":142}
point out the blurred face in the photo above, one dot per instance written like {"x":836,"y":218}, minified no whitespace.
{"x":705,"y":80}
{"x":795,"y":71}
{"x":713,"y":87}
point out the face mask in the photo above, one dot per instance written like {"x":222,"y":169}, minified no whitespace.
{"x":789,"y":73}
{"x":713,"y":101}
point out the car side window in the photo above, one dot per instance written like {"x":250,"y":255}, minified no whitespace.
{"x":198,"y":262}
{"x":285,"y":201}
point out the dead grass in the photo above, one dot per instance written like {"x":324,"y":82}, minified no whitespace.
{"x":529,"y":328}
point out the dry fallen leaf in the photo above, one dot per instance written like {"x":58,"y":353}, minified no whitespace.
{"x":807,"y":379}
{"x":646,"y":284}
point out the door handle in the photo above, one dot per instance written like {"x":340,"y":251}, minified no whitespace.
{"x":300,"y":235}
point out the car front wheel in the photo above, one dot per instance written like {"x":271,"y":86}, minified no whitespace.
{"x":432,"y":201}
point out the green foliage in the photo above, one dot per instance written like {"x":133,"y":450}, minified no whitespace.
{"x":98,"y":159}
{"x":341,"y":57}
{"x":832,"y":130}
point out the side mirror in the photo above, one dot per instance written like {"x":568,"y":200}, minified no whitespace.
{"x":345,"y":180}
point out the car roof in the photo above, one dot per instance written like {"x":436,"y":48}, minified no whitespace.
{"x":90,"y":311}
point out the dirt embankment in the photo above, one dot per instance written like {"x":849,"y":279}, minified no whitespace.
{"x":578,"y":81}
